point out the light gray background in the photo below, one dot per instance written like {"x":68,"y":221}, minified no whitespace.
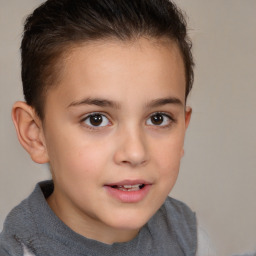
{"x":218,"y":172}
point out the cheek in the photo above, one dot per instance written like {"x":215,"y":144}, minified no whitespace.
{"x":79,"y":158}
{"x":169,"y":154}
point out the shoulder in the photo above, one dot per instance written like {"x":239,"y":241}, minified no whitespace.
{"x":175,"y":224}
{"x":9,"y":244}
{"x":179,"y":214}
{"x":18,"y":226}
{"x":191,"y":226}
{"x":185,"y":220}
{"x":9,"y":238}
{"x":21,"y":226}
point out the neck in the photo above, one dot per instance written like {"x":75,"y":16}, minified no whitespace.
{"x":90,"y":227}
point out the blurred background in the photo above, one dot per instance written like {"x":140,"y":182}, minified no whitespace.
{"x":218,"y":172}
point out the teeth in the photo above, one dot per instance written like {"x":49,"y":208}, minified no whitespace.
{"x":130,"y":187}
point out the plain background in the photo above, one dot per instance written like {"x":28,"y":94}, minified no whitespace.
{"x":218,"y":173}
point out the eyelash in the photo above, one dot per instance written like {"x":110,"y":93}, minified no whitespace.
{"x":171,"y":120}
{"x":92,"y":127}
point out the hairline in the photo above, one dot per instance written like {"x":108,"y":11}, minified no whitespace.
{"x":66,"y":49}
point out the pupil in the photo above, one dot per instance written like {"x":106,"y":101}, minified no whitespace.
{"x":157,"y":119}
{"x":96,"y":120}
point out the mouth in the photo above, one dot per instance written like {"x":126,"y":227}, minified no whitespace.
{"x":129,"y":191}
{"x":128,"y":188}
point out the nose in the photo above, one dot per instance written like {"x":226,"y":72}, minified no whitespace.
{"x":131,"y":148}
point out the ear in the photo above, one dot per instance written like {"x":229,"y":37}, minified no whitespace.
{"x":30,"y":131}
{"x":188,"y":113}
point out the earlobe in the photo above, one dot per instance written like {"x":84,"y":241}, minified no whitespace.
{"x":29,"y":131}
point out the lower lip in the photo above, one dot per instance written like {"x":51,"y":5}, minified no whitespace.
{"x":129,"y":197}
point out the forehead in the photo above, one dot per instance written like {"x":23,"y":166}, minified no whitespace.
{"x":106,"y":67}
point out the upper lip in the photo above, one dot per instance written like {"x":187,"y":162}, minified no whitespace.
{"x":129,"y":182}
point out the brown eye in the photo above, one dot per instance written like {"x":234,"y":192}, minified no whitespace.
{"x":96,"y":120}
{"x":157,"y":119}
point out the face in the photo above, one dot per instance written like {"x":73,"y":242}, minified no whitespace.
{"x":114,"y":130}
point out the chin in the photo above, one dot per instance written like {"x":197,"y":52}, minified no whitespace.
{"x":129,"y":221}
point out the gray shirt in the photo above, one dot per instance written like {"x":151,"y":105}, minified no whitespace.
{"x":34,"y":226}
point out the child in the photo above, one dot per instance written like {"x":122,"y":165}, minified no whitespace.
{"x":105,"y":84}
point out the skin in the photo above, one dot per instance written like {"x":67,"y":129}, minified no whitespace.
{"x":131,"y":81}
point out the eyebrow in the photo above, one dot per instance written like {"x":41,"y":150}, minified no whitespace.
{"x":95,"y":101}
{"x":164,"y":101}
{"x":108,"y":103}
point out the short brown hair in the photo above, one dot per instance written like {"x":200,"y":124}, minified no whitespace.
{"x":57,"y":24}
